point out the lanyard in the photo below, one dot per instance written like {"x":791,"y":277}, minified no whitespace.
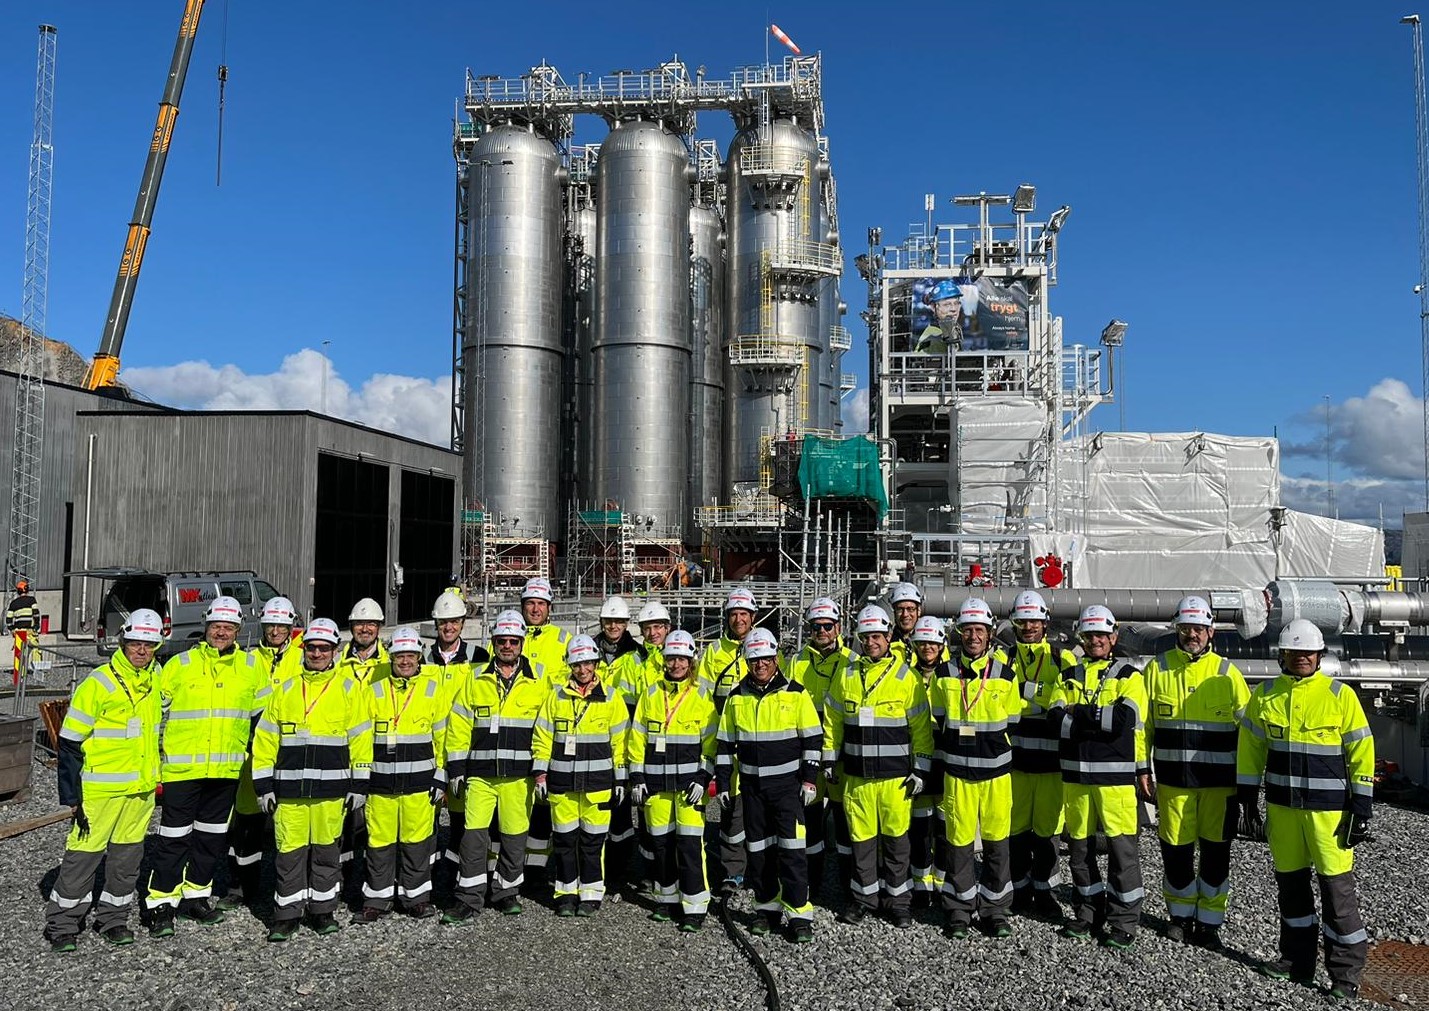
{"x":397,"y":714}
{"x":503,"y":688}
{"x":671,"y":713}
{"x":308,"y":709}
{"x":963,"y":685}
{"x":890,"y":663}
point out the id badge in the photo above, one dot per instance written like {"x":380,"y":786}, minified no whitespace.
{"x":967,"y":730}
{"x":865,"y":716}
{"x":569,"y":748}
{"x":135,"y":728}
{"x":659,"y":743}
{"x":301,"y":734}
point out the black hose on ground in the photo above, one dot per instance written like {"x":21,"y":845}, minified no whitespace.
{"x":771,"y":990}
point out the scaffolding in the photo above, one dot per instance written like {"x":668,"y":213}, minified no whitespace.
{"x":497,"y":556}
{"x":609,"y":550}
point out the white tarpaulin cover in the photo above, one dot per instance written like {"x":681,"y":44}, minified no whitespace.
{"x":1172,"y":510}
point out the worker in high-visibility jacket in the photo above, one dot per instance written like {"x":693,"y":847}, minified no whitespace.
{"x":578,"y":753}
{"x":1194,"y":702}
{"x":108,"y":771}
{"x":906,"y":602}
{"x":489,"y":766}
{"x":280,"y":655}
{"x":617,"y":648}
{"x":211,"y":695}
{"x":767,"y":758}
{"x":545,"y":646}
{"x":1306,"y":734}
{"x":721,"y":668}
{"x":545,"y":643}
{"x":22,"y":621}
{"x":1036,"y":773}
{"x":364,"y":659}
{"x":974,"y":703}
{"x":456,"y":661}
{"x":636,"y":673}
{"x":927,"y":833}
{"x":1098,"y":715}
{"x":815,"y":666}
{"x":878,"y":742}
{"x":671,"y":758}
{"x":408,"y":781}
{"x":312,"y":759}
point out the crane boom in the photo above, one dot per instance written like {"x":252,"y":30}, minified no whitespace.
{"x":104,"y":370}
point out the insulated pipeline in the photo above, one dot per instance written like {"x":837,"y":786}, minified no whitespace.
{"x":1066,"y":605}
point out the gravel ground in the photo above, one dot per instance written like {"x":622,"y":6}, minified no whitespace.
{"x":621,"y":960}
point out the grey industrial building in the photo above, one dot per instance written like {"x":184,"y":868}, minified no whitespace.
{"x":326,"y":510}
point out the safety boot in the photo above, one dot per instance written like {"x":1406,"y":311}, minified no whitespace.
{"x":323,"y":924}
{"x":200,"y":911}
{"x":118,"y":935}
{"x":161,"y":921}
{"x":63,"y":944}
{"x":692,"y":923}
{"x":853,"y":914}
{"x":1208,"y":936}
{"x":902,"y":919}
{"x":566,"y":906}
{"x":459,"y":913}
{"x":1117,"y":939}
{"x":1181,"y":929}
{"x":1045,"y":905}
{"x":588,"y":908}
{"x":801,"y":931}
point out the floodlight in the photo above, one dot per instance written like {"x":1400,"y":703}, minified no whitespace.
{"x":1024,"y":199}
{"x":1114,"y":333}
{"x":1058,"y":219}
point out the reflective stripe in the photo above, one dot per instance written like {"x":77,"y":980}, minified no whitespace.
{"x":209,"y":714}
{"x":293,"y":775}
{"x":1304,"y":782}
{"x":1212,"y":725}
{"x":175,"y":831}
{"x":859,"y":889}
{"x":1037,"y":743}
{"x":897,"y":889}
{"x":378,"y":893}
{"x":770,"y":770}
{"x":1099,"y":767}
{"x":316,"y":896}
{"x":1357,"y":937}
{"x":110,"y":899}
{"x":109,"y":777}
{"x":214,"y":828}
{"x":66,"y":903}
{"x":878,"y":750}
{"x":1356,"y":735}
{"x":1135,"y":895}
{"x":216,"y":759}
{"x":1300,"y":921}
{"x":1194,"y":755}
{"x":398,"y":768}
{"x":1306,"y":748}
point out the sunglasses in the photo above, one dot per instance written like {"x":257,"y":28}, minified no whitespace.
{"x":320,"y":647}
{"x":824,"y":626}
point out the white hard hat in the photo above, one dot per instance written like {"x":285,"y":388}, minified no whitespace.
{"x":760,"y":642}
{"x":975,"y":612}
{"x":279,"y":611}
{"x":1194,"y":611}
{"x":905,"y":592}
{"x":615,"y":607}
{"x":366,"y":609}
{"x":143,"y":625}
{"x":872,"y":619}
{"x":679,"y":643}
{"x":405,"y":640}
{"x":740,"y":598}
{"x":224,"y":609}
{"x":1096,"y":618}
{"x":1303,"y":635}
{"x":537,"y":588}
{"x":929,"y":629}
{"x":322,"y":630}
{"x":509,"y":623}
{"x":449,"y":605}
{"x":1029,"y":606}
{"x":823,"y":609}
{"x":582,"y":648}
{"x":653,"y":611}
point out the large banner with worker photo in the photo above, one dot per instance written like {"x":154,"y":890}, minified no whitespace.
{"x":991,"y":315}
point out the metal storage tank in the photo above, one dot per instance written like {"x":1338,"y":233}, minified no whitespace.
{"x":707,"y":315}
{"x":512,"y":350}
{"x":641,"y":342}
{"x":781,"y":204}
{"x":583,"y":227}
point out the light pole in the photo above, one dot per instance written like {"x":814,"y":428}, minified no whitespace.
{"x":326,"y":345}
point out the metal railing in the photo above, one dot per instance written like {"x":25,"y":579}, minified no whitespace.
{"x":45,"y":674}
{"x":848,"y":382}
{"x":762,"y":512}
{"x":767,"y":159}
{"x":965,"y":373}
{"x":840,"y":339}
{"x":782,"y":350}
{"x":805,"y":256}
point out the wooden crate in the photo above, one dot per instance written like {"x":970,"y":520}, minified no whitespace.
{"x":17,"y":756}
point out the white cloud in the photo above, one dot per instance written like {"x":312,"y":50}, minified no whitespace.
{"x":405,"y":405}
{"x":1357,"y":499}
{"x":1379,"y":435}
{"x":855,"y":412}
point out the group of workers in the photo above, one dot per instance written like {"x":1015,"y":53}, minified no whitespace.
{"x":898,"y":752}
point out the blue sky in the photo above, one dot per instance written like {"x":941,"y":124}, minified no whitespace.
{"x":1241,"y":175}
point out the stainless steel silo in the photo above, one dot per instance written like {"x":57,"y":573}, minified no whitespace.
{"x":641,"y":341}
{"x":512,"y":351}
{"x":707,"y":315}
{"x":770,"y":200}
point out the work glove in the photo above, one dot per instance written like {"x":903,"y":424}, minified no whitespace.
{"x":1354,"y":829}
{"x":617,"y":796}
{"x":436,"y":795}
{"x":913,"y":785}
{"x":541,"y":792}
{"x":268,"y":803}
{"x":455,"y":784}
{"x":808,"y":792}
{"x":831,"y":773}
{"x":356,"y":801}
{"x":639,"y":794}
{"x":694,"y":793}
{"x":725,"y":802}
{"x":1252,"y":823}
{"x":1231,"y":827}
{"x":1146,"y":787}
{"x":81,"y":820}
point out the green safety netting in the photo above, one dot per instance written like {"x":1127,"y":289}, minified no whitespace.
{"x":842,"y":468}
